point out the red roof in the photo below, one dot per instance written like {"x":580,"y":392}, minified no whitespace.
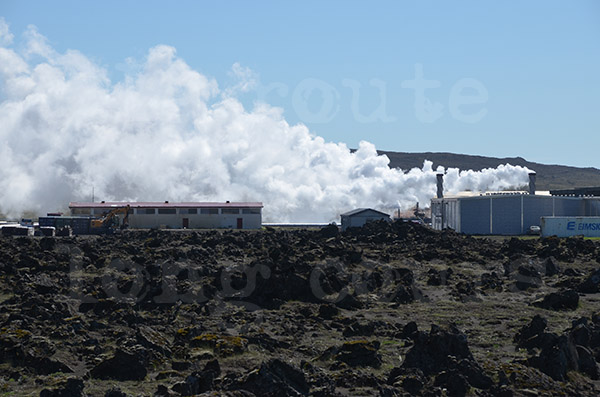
{"x":164,"y":204}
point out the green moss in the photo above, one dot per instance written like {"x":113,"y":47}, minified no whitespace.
{"x":223,"y":345}
{"x":18,"y":333}
{"x":183,"y":331}
{"x":356,"y":342}
{"x":21,"y":333}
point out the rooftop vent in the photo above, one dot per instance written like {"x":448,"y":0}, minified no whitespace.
{"x":532,"y":183}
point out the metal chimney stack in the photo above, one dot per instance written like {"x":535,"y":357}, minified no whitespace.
{"x":532,"y":183}
{"x":440,"y":186}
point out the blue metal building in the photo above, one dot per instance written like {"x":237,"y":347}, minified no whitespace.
{"x":506,"y":213}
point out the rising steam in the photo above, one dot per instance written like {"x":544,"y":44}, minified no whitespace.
{"x":166,"y":132}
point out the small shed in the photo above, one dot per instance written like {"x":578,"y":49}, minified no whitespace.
{"x":360,"y":216}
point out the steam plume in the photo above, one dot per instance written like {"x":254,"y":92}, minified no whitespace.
{"x":167,"y":132}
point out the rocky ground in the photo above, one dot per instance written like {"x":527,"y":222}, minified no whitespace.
{"x":389,"y":309}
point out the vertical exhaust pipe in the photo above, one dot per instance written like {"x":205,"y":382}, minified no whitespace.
{"x":440,"y":186}
{"x":532,"y":183}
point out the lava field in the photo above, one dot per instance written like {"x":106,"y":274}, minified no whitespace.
{"x":390,"y":309}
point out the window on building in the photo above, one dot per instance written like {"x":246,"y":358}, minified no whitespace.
{"x":146,"y":211}
{"x":251,"y":211}
{"x":81,"y":211}
{"x":230,"y":210}
{"x":191,"y":211}
{"x":167,"y":211}
{"x":209,"y":211}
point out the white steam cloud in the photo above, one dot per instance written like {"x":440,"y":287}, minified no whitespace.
{"x":166,"y":132}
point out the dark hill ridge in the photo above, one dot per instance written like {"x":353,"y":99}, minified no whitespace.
{"x":548,"y":176}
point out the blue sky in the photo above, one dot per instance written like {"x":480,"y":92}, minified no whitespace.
{"x":531,"y":68}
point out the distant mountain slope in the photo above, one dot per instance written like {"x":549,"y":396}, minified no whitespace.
{"x":548,"y":176}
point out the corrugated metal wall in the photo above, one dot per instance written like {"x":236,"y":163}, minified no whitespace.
{"x":436,"y":214}
{"x":569,"y":206}
{"x":475,"y":215}
{"x":592,"y":206}
{"x":506,"y":214}
{"x":534,"y":207}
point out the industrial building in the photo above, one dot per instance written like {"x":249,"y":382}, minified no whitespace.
{"x":508,"y":213}
{"x":188,"y":215}
{"x":360,"y":216}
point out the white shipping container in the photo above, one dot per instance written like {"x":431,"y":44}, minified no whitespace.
{"x":564,"y":226}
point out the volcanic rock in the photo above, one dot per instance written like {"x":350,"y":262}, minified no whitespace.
{"x":587,"y":363}
{"x":153,"y":340}
{"x":328,"y":311}
{"x":162,"y":391}
{"x":412,"y":384}
{"x":527,"y":277}
{"x":72,"y":388}
{"x":437,"y":352}
{"x":115,"y":392}
{"x":275,"y":378}
{"x":580,"y":332}
{"x":453,"y":381}
{"x":439,"y":277}
{"x":558,"y":356}
{"x":360,"y":353}
{"x":349,"y":301}
{"x":359,"y":329}
{"x":551,"y":267}
{"x":410,"y":379}
{"x":122,"y":366}
{"x":47,"y":243}
{"x":403,"y":294}
{"x":532,"y":335}
{"x":199,"y":382}
{"x":564,"y":300}
{"x":490,"y":281}
{"x":410,"y":330}
{"x":432,"y":350}
{"x":474,"y":374}
{"x":591,"y":285}
{"x":331,"y":230}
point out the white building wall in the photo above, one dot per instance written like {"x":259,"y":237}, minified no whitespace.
{"x":138,"y":219}
{"x":195,"y":221}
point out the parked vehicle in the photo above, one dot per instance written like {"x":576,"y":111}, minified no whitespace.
{"x":534,"y":230}
{"x":111,"y":222}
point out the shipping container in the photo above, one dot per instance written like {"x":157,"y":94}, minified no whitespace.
{"x":570,"y":226}
{"x":16,"y":230}
{"x":79,"y":224}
